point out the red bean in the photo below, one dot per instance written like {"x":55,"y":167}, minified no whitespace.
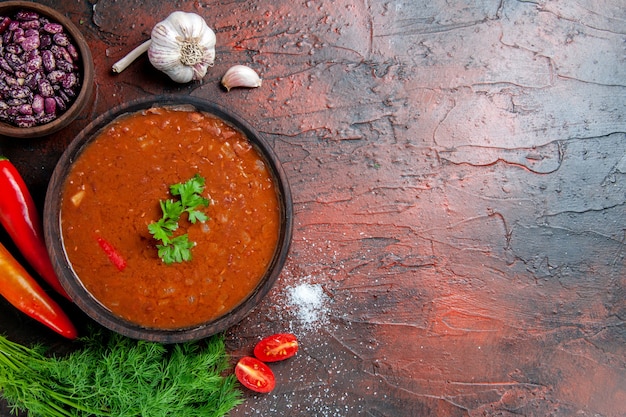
{"x":70,"y":92}
{"x":25,"y":109}
{"x":4,"y":66}
{"x":7,"y":36}
{"x":15,"y":61}
{"x":56,"y":76}
{"x":49,"y":63}
{"x":18,"y":35}
{"x":33,"y":64}
{"x":30,"y":31}
{"x":38,"y":104}
{"x":46,"y":118}
{"x":31,"y":24}
{"x":14,"y":49}
{"x":19,"y":92}
{"x":32,"y":80}
{"x":11,"y":110}
{"x":65,"y":66}
{"x":26,"y":15}
{"x":71,"y":49}
{"x":11,"y":81}
{"x":60,"y":52}
{"x":4,"y":24}
{"x":45,"y":40}
{"x":67,"y":98}
{"x":61,"y":105}
{"x":31,"y":40}
{"x":45,"y":88}
{"x":53,"y":28}
{"x":25,"y":120}
{"x":61,"y":39}
{"x":69,"y":80}
{"x":50,"y":105}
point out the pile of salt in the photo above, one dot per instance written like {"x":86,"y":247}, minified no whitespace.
{"x":308,"y":303}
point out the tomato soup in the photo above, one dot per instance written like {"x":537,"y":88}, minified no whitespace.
{"x":113,"y":193}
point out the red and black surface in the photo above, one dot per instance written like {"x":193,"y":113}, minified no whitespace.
{"x":458,"y":172}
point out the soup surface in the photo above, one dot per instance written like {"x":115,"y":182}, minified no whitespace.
{"x":113,"y":192}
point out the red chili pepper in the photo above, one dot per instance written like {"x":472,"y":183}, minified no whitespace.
{"x":114,"y":256}
{"x":20,"y":218}
{"x":23,"y":292}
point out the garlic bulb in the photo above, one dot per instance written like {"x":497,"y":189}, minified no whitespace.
{"x":241,"y":76}
{"x":182,"y":46}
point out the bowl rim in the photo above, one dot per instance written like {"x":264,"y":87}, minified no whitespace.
{"x":87,"y":69}
{"x":89,"y":304}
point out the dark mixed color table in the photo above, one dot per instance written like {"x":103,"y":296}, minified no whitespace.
{"x":458,"y":172}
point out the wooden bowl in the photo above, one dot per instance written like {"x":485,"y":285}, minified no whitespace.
{"x":86,"y":68}
{"x":86,"y":301}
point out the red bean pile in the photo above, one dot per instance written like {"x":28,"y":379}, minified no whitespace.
{"x":39,"y":72}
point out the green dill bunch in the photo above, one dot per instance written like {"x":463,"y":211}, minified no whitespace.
{"x":112,"y":375}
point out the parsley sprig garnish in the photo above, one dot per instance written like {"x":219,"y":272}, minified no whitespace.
{"x":178,"y":248}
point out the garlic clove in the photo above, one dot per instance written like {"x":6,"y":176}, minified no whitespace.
{"x":241,"y":76}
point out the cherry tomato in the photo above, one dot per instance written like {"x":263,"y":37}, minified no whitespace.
{"x":276,"y":347}
{"x":255,"y":375}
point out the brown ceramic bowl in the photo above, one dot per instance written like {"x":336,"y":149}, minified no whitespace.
{"x":87,"y":302}
{"x":86,"y":69}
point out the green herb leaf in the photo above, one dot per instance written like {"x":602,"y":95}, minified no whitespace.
{"x":197,"y":216}
{"x":194,"y":186}
{"x":172,"y":209}
{"x":159,"y":232}
{"x":178,"y":249}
